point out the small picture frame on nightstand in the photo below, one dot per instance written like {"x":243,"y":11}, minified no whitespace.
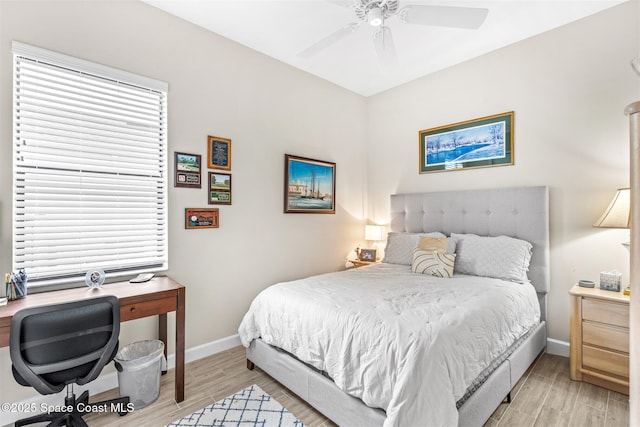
{"x":368,"y":255}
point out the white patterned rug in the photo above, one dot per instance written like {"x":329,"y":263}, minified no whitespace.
{"x":248,"y":407}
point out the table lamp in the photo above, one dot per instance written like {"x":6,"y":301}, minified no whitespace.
{"x":618,"y":215}
{"x":375,"y":234}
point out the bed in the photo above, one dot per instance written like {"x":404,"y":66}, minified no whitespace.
{"x":437,"y":386}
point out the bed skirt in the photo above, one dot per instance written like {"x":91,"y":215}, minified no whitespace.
{"x":321,"y":393}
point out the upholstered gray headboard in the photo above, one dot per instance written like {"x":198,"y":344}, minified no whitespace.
{"x":521,"y":212}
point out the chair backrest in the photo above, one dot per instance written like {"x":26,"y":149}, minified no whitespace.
{"x":55,"y":345}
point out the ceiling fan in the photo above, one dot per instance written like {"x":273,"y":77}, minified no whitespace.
{"x":376,"y":12}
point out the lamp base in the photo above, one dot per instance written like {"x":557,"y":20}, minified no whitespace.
{"x":627,"y":245}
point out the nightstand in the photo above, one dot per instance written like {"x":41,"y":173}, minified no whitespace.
{"x":599,"y":338}
{"x":359,"y":263}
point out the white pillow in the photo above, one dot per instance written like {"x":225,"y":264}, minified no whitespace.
{"x":437,"y":264}
{"x":400,"y":246}
{"x":500,"y":257}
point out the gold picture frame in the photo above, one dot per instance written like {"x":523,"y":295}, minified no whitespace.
{"x":309,"y":185}
{"x":218,"y":153}
{"x":483,"y":142}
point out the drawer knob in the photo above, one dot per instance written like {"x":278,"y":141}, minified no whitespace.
{"x":133,"y":309}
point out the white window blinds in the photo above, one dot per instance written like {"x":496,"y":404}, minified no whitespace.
{"x":90,"y":169}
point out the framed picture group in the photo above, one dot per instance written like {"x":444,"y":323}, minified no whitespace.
{"x":188,"y":174}
{"x":309,"y":184}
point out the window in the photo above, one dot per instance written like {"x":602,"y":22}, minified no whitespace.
{"x":90,"y":169}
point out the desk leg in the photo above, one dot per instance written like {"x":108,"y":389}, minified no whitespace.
{"x":180,"y":317}
{"x":162,"y":333}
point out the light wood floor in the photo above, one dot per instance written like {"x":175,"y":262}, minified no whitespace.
{"x":545,"y":396}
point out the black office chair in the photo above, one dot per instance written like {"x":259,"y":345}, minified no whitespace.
{"x":55,"y":346}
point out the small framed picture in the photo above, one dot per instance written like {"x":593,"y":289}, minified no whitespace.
{"x":219,"y":188}
{"x":218,"y":153}
{"x":201,"y":218}
{"x":368,"y":255}
{"x":187,"y":170}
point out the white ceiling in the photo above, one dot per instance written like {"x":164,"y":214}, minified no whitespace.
{"x":283,"y":28}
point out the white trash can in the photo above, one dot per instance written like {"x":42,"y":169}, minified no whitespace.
{"x":139,"y":365}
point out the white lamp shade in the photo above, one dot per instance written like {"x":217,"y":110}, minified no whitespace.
{"x":373,"y":232}
{"x":617,"y":215}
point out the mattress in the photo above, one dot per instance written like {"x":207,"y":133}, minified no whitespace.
{"x":407,"y":343}
{"x":480,"y":379}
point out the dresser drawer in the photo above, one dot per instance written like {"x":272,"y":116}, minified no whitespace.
{"x":601,"y":335}
{"x":605,"y":312}
{"x":605,"y":361}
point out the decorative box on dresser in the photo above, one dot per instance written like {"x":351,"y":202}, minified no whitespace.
{"x":599,"y":338}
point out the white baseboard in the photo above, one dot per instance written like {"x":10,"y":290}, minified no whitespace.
{"x":110,"y":381}
{"x":557,"y":347}
{"x":204,"y":350}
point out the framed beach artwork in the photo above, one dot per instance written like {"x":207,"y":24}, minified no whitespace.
{"x":309,"y":185}
{"x":483,"y":142}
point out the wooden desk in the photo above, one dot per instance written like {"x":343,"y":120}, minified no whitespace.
{"x":158,"y":296}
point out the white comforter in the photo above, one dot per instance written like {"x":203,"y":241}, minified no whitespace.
{"x":408,"y":343}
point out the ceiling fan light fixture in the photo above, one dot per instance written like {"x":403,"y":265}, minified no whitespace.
{"x":375,"y":16}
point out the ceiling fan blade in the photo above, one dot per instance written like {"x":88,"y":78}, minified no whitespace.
{"x":385,"y":48}
{"x":341,"y":3}
{"x":329,"y":40}
{"x":444,"y":16}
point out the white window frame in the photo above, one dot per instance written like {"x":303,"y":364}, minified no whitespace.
{"x":89,"y":169}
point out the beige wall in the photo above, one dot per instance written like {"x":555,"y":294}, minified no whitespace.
{"x":220,"y":88}
{"x":568,"y":89}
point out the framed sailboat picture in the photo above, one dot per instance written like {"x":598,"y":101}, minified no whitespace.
{"x":309,"y":185}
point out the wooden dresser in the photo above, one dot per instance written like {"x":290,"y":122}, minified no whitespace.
{"x":600,"y":338}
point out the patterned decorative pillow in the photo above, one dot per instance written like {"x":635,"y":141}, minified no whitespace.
{"x":500,"y":257}
{"x":437,"y":264}
{"x":400,"y":246}
{"x":438,"y":244}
